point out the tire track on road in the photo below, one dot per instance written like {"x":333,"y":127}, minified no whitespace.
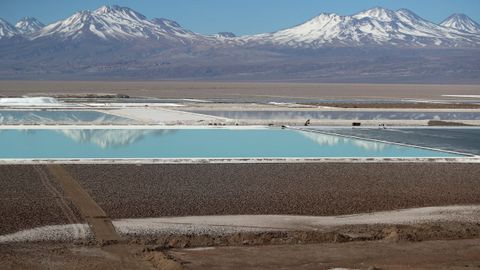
{"x":100,"y":224}
{"x":62,"y":202}
{"x":59,"y":197}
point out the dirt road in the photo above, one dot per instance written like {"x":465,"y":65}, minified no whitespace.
{"x":99,"y":222}
{"x":458,"y":254}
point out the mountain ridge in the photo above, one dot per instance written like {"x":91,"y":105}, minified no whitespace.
{"x":377,"y":26}
{"x":7,"y":30}
{"x":28,"y":25}
{"x":115,"y":23}
{"x":117,"y":42}
{"x":372,"y":27}
{"x":461,"y":22}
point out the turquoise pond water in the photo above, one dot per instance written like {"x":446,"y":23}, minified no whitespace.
{"x":192,"y":143}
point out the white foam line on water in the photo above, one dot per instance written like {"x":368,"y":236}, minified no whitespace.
{"x":197,"y":100}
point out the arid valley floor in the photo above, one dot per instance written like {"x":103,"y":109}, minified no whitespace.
{"x":239,"y":90}
{"x":257,"y":213}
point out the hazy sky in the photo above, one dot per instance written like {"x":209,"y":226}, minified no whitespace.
{"x":238,"y":16}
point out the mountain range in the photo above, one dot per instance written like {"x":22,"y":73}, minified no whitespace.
{"x":374,"y":27}
{"x":117,"y":41}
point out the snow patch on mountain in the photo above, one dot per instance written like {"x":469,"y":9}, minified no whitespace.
{"x":377,"y":26}
{"x":7,"y":30}
{"x":28,"y":25}
{"x":117,"y":23}
{"x":461,"y":22}
{"x":374,"y":27}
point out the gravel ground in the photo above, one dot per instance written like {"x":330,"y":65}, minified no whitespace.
{"x":134,"y":191}
{"x":29,"y":198}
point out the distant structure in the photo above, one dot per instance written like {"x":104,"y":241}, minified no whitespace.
{"x":225,"y":35}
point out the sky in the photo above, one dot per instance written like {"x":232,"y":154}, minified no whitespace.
{"x":238,"y":16}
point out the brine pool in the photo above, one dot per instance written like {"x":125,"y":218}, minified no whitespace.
{"x":149,"y":143}
{"x":16,"y":117}
{"x":343,"y":115}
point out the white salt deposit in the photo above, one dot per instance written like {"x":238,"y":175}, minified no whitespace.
{"x":462,"y":96}
{"x":157,"y":226}
{"x":166,"y":116}
{"x":196,"y":100}
{"x":248,"y":223}
{"x":132,"y":105}
{"x":220,"y":225}
{"x":67,"y":232}
{"x":29,"y":101}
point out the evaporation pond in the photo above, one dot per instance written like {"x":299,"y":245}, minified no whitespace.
{"x":344,"y":115}
{"x":192,"y":143}
{"x":15,"y":117}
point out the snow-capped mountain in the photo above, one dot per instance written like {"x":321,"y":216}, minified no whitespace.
{"x":462,"y":22}
{"x":117,"y":24}
{"x":28,"y":25}
{"x":173,"y":28}
{"x":373,"y":27}
{"x":7,"y":30}
{"x":377,"y":26}
{"x":376,"y":45}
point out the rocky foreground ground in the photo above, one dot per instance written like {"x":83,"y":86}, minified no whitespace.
{"x":317,"y":189}
{"x":39,"y":195}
